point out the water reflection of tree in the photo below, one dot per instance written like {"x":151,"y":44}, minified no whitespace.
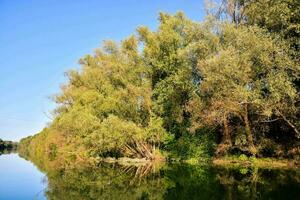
{"x":112,"y":181}
{"x":7,"y":151}
{"x":169,"y":181}
{"x":192,"y":182}
{"x":106,"y":182}
{"x":254,"y":183}
{"x":134,"y":182}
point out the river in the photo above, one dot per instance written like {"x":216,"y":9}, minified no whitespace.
{"x":20,"y":179}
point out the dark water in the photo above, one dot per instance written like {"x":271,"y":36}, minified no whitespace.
{"x":22,"y":180}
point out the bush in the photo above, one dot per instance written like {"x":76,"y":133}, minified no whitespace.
{"x":200,"y":145}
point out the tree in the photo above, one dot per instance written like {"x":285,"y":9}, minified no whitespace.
{"x":278,"y":17}
{"x":172,"y":53}
{"x":105,"y":109}
{"x":246,"y":77}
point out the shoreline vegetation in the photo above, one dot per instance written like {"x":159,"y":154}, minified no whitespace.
{"x":224,"y":91}
{"x":227,"y":162}
{"x":262,"y":163}
{"x":7,"y":146}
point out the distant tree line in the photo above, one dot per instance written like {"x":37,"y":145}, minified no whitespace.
{"x":7,"y":146}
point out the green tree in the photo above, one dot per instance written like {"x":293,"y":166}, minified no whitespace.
{"x":247,"y":76}
{"x":172,"y":53}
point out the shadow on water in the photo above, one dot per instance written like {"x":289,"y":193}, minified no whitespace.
{"x":176,"y":181}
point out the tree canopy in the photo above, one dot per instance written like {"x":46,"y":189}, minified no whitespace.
{"x":237,"y":79}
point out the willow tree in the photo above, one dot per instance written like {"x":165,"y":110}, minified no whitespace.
{"x":281,"y":18}
{"x":278,"y":17}
{"x":171,"y":53}
{"x":247,"y":75}
{"x":106,"y":107}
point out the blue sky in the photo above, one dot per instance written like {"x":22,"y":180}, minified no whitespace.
{"x":41,"y":39}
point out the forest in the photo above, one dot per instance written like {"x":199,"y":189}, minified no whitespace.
{"x":227,"y":86}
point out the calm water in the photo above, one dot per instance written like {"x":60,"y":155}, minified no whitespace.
{"x":20,"y":179}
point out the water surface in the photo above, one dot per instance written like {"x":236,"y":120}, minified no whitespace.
{"x":20,"y":179}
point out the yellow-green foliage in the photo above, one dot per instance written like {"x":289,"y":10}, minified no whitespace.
{"x":248,"y":74}
{"x":172,"y":53}
{"x":279,"y":17}
{"x":105,"y":109}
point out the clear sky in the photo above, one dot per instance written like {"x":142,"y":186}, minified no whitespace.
{"x":41,"y":39}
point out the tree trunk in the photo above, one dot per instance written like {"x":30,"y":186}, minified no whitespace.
{"x":249,"y":132}
{"x":290,"y":124}
{"x":226,"y":136}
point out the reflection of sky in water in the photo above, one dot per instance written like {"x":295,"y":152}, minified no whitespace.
{"x":20,"y":179}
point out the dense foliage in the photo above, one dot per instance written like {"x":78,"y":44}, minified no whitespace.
{"x":189,"y":88}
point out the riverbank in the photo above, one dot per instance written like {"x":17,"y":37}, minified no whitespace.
{"x":264,"y":163}
{"x":131,"y":161}
{"x":227,"y":162}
